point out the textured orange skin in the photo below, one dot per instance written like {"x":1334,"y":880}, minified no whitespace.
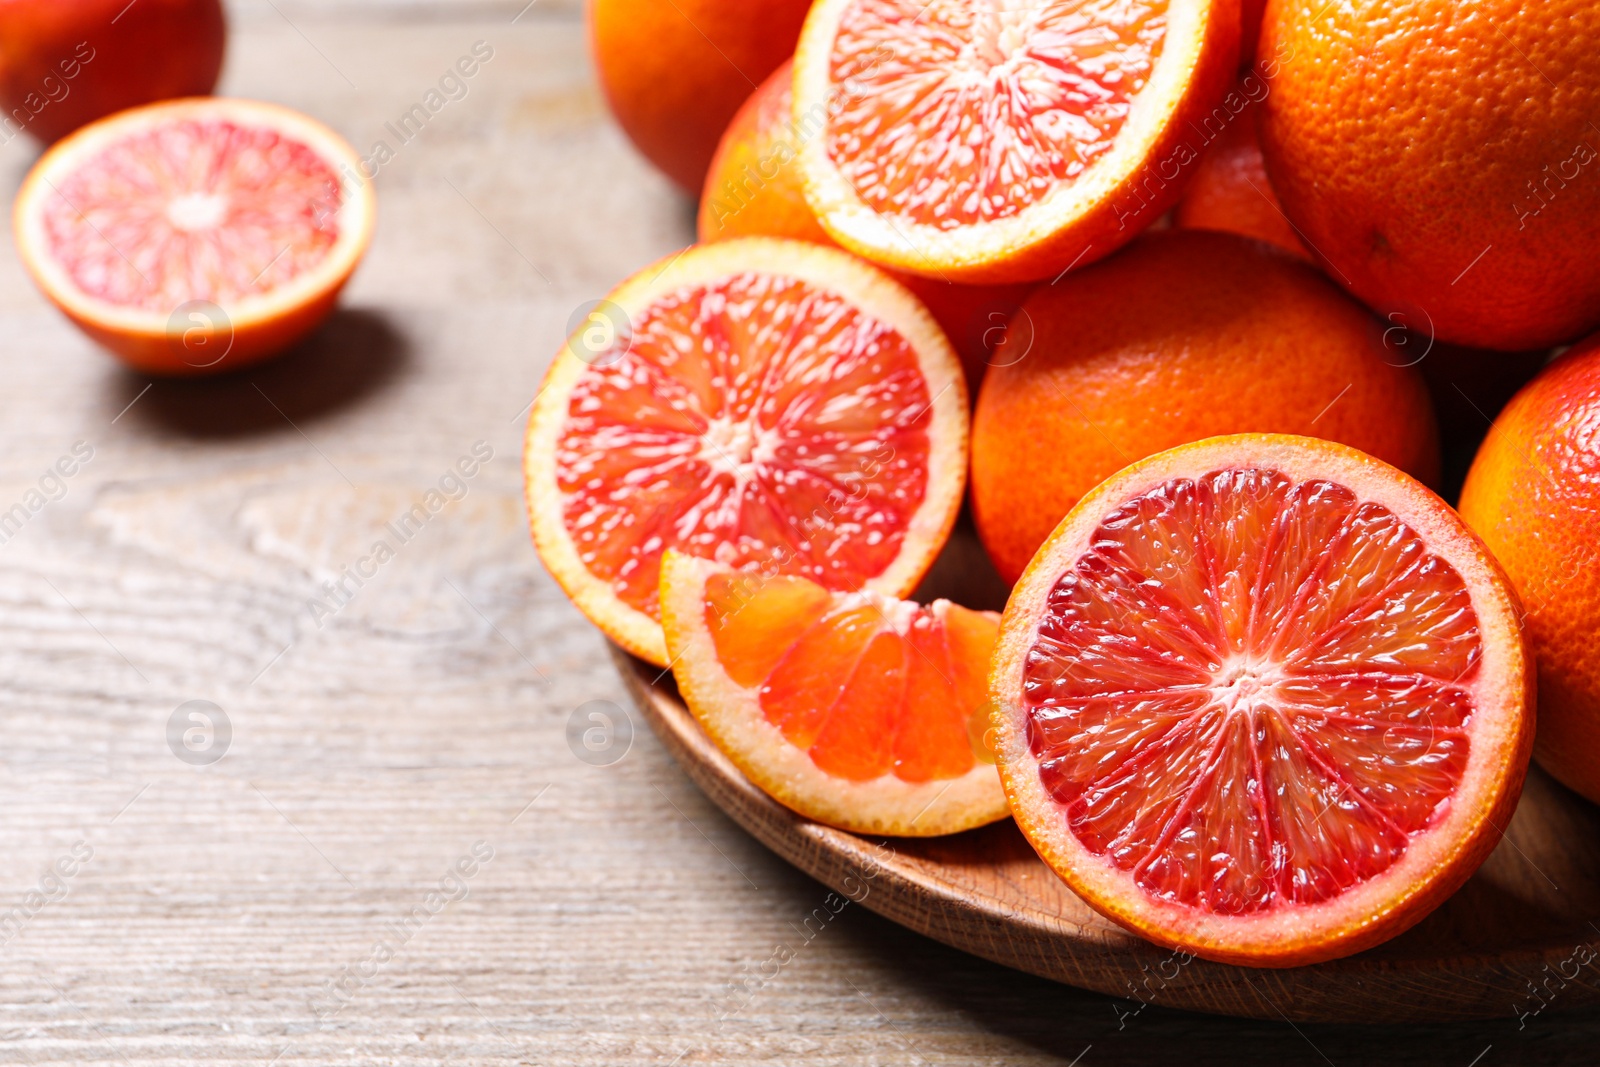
{"x":157,"y":50}
{"x":1231,"y":191}
{"x":159,"y":354}
{"x":1186,"y":334}
{"x":1533,"y":495}
{"x":1403,"y":137}
{"x":675,"y":71}
{"x":753,"y":189}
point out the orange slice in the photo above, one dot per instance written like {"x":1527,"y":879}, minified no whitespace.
{"x":1003,"y":140}
{"x":758,"y":402}
{"x":1264,"y":699}
{"x":195,"y":236}
{"x":854,"y":709}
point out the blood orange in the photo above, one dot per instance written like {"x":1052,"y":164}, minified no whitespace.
{"x":854,"y":709}
{"x":195,"y":236}
{"x":1264,"y":699}
{"x":989,"y":141}
{"x":757,"y":402}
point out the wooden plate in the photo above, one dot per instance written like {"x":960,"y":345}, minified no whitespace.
{"x":1517,"y":936}
{"x":1522,"y":934}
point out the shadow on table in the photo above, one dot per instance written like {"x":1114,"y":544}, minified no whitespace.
{"x":1062,"y":1021}
{"x":350,"y":357}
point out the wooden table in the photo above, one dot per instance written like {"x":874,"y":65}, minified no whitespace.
{"x":245,"y":910}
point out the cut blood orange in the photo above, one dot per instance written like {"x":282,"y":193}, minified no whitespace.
{"x":758,"y":402}
{"x":1004,"y":140}
{"x":195,"y":236}
{"x":1264,"y":699}
{"x":857,"y":710}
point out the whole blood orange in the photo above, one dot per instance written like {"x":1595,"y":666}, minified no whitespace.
{"x":64,"y":63}
{"x":1230,"y":190}
{"x":854,"y":709}
{"x":757,"y":402}
{"x":753,"y":189}
{"x":675,"y":71}
{"x":1263,"y":699}
{"x":1533,"y":495}
{"x":1004,"y":140}
{"x":1443,"y":159}
{"x":195,"y":236}
{"x":1183,"y":335}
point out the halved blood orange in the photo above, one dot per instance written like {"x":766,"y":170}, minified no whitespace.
{"x":757,"y":402}
{"x":854,"y":709}
{"x":195,"y":236}
{"x":1264,"y":699}
{"x":1003,"y":140}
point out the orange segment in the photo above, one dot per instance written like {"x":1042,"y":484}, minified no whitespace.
{"x":976,"y":140}
{"x":774,"y":405}
{"x":194,"y":236}
{"x":864,"y":716}
{"x":814,"y":674}
{"x":754,"y":621}
{"x":1264,"y":699}
{"x":857,"y":739}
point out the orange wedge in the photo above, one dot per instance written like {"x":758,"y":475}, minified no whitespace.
{"x":1263,"y":699}
{"x":758,"y":402}
{"x":196,"y":236}
{"x":854,"y":709}
{"x":1004,"y":140}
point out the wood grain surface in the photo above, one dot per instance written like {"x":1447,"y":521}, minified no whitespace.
{"x":264,"y":909}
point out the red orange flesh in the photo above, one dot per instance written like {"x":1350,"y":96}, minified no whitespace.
{"x":755,"y":402}
{"x":855,"y":709}
{"x":1264,"y":699}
